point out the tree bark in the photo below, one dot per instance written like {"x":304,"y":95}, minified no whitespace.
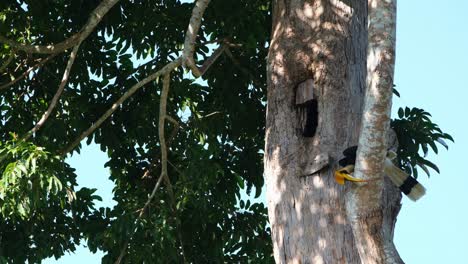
{"x":366,"y":211}
{"x":324,"y":41}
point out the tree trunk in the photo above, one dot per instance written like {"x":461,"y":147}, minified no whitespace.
{"x":324,"y":42}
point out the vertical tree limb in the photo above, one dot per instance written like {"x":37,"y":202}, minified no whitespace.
{"x":162,"y":119}
{"x":162,"y":140}
{"x":191,"y":36}
{"x":164,"y":173}
{"x":365,"y":203}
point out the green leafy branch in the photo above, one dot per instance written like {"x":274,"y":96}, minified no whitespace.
{"x":31,"y":178}
{"x":416,"y":131}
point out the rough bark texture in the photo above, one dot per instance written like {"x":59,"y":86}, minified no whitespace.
{"x":323,"y":40}
{"x":366,"y":211}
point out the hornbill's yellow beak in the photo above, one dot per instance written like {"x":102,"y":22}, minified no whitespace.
{"x":344,"y":174}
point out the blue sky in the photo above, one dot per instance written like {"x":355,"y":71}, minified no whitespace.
{"x":431,"y":67}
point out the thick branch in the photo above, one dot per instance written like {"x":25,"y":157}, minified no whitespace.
{"x":365,"y":207}
{"x":191,"y":36}
{"x":166,"y":69}
{"x":94,"y":18}
{"x":53,"y":103}
{"x":37,"y":65}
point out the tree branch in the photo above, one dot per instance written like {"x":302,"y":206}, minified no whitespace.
{"x":162,"y":140}
{"x":171,"y":137}
{"x":365,"y":207}
{"x":37,"y":65}
{"x":94,"y":19}
{"x":214,"y":56}
{"x":53,"y":103}
{"x":162,"y":119}
{"x":164,"y":174}
{"x":191,"y":36}
{"x":189,"y":48}
{"x":166,"y":69}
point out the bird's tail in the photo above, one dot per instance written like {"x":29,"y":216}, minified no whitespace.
{"x":407,"y":184}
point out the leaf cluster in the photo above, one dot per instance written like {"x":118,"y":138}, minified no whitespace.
{"x":417,"y":134}
{"x":36,"y":189}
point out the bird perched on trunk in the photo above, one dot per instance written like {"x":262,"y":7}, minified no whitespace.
{"x":407,"y":184}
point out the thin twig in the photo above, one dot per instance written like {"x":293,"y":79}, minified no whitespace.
{"x":175,"y":168}
{"x":53,"y":103}
{"x":94,"y":18}
{"x":241,"y":68}
{"x":212,"y":42}
{"x":211,"y":114}
{"x":37,"y":65}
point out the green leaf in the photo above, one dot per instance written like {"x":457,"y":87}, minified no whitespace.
{"x":407,"y":111}
{"x":425,"y":149}
{"x":449,"y":137}
{"x":22,"y":168}
{"x":430,"y":164}
{"x":401,"y":113}
{"x":433,"y":146}
{"x":442,"y":142}
{"x":21,"y":210}
{"x":425,"y":169}
{"x":240,"y":181}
